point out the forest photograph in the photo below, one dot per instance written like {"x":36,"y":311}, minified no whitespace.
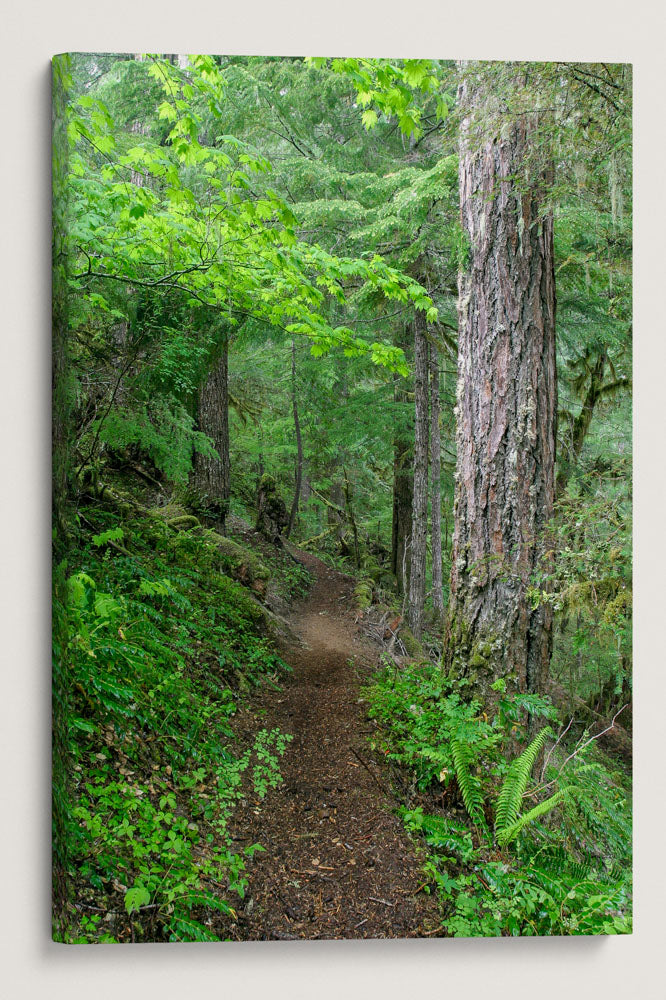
{"x":342,"y":498}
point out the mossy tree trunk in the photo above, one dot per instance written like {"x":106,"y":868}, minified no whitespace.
{"x":212,"y":476}
{"x":506,"y":403}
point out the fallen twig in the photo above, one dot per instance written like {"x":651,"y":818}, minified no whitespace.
{"x":374,"y":778}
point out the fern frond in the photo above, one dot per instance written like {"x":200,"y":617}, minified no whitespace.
{"x":188,"y":929}
{"x":436,"y":827}
{"x":556,"y":861}
{"x":513,"y":788}
{"x":509,"y":833}
{"x":469,"y":784}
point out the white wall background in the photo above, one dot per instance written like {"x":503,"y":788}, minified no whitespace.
{"x":30,"y":965}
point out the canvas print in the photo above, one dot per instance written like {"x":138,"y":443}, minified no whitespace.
{"x":341,"y":498}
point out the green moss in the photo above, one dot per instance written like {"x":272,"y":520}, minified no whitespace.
{"x":411,"y":643}
{"x":236,"y":556}
{"x":363,"y":593}
{"x":245,"y":607}
{"x":184,"y":522}
{"x":170,"y":512}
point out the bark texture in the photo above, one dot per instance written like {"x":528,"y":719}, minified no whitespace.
{"x":506,"y":406}
{"x":212,"y":475}
{"x":420,"y":498}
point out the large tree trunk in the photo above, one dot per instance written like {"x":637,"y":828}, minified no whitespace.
{"x":506,"y":406}
{"x":403,"y":485}
{"x":420,"y":501}
{"x":352,"y":519}
{"x":435,"y":483}
{"x":212,"y":475}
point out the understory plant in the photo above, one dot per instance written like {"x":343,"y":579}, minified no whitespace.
{"x":530,"y":834}
{"x":158,"y":645}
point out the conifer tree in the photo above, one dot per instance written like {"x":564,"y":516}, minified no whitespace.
{"x":506,"y":397}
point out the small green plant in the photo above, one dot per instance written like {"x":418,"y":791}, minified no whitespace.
{"x":426,"y":721}
{"x":469,"y":783}
{"x":513,"y":787}
{"x":561,"y":866}
{"x":156,"y":643}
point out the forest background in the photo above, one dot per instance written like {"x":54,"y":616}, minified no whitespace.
{"x":640,"y":305}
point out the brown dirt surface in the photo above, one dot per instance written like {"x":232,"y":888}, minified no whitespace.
{"x":337,"y":862}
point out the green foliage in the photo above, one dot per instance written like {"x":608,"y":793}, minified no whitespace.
{"x":469,"y":784}
{"x":397,"y":88}
{"x":586,"y":577}
{"x":164,"y":432}
{"x":319,"y":206}
{"x":561,"y":866}
{"x":428,"y":723}
{"x":513,"y":787}
{"x":158,"y":643}
{"x":509,"y":831}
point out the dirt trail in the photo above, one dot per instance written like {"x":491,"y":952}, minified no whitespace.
{"x":338,"y":863}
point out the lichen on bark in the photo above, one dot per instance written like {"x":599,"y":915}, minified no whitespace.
{"x":506,"y":400}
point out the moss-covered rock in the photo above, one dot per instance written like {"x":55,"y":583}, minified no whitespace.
{"x":411,"y":643}
{"x":241,"y":563}
{"x":236,"y":561}
{"x":363,"y":594}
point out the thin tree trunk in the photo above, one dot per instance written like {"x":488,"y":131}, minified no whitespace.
{"x":352,"y":520}
{"x":335,"y":514}
{"x":420,"y":502}
{"x":506,"y":405}
{"x":581,"y":424}
{"x":212,"y":476}
{"x":403,"y":486}
{"x":298,"y":472}
{"x":435,"y":481}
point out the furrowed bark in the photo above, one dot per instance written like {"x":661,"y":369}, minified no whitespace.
{"x":506,"y":405}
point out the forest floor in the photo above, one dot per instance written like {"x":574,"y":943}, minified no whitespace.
{"x":337,"y":861}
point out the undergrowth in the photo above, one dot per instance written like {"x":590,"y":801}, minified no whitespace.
{"x":154,"y":646}
{"x":526,"y":834}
